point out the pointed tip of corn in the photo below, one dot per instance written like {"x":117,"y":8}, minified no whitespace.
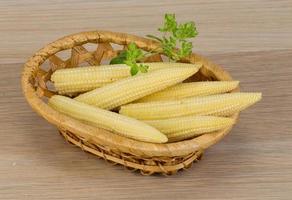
{"x":160,"y":138}
{"x":153,"y":135}
{"x":245,"y":100}
{"x":198,"y":65}
{"x":229,"y":121}
{"x":188,"y":68}
{"x":258,"y":96}
{"x":252,"y":96}
{"x":234,"y":83}
{"x":227,"y":85}
{"x":237,"y":82}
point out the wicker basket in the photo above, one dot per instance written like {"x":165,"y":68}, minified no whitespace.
{"x":146,"y":157}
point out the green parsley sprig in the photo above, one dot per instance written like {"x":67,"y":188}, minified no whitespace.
{"x":130,"y":57}
{"x":175,"y":42}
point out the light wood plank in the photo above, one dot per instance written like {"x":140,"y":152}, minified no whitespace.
{"x":224,"y":26}
{"x":248,"y":38}
{"x":253,"y":162}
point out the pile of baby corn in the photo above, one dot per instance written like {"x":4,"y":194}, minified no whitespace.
{"x":154,"y":107}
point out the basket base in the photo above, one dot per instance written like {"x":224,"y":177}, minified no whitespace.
{"x":146,"y":166}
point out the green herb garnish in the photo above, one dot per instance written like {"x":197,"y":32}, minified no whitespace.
{"x":174,"y":42}
{"x":130,"y":57}
{"x":119,"y":59}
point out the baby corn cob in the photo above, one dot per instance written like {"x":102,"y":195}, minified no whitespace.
{"x":135,"y":87}
{"x":218,"y":105}
{"x":108,"y":120}
{"x":82,"y":79}
{"x":192,"y":89}
{"x":181,"y":128}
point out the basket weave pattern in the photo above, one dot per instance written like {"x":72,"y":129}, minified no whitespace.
{"x":146,"y":157}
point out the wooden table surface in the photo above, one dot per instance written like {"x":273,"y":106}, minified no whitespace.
{"x":251,"y":39}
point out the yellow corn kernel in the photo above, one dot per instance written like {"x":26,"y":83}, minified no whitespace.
{"x":111,"y":121}
{"x":181,"y":128}
{"x":83,"y":79}
{"x":218,"y":105}
{"x":127,"y":90}
{"x":184,"y":90}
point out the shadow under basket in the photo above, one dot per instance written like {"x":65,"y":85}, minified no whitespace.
{"x":95,"y":48}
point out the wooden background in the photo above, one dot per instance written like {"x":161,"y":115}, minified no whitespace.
{"x":250,"y":38}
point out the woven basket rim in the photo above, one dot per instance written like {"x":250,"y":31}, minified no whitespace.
{"x":101,"y":136}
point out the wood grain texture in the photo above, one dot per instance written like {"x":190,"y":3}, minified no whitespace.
{"x":253,"y":162}
{"x":224,"y":25}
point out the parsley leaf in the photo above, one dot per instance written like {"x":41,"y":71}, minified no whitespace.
{"x":170,"y":24}
{"x":186,"y":30}
{"x":130,"y":58}
{"x":120,"y":59}
{"x":174,"y":42}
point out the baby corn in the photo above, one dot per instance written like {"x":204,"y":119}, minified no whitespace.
{"x":192,"y":89}
{"x":218,"y":105}
{"x":108,"y":120}
{"x":181,"y":128}
{"x":135,"y":87}
{"x":82,"y":79}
